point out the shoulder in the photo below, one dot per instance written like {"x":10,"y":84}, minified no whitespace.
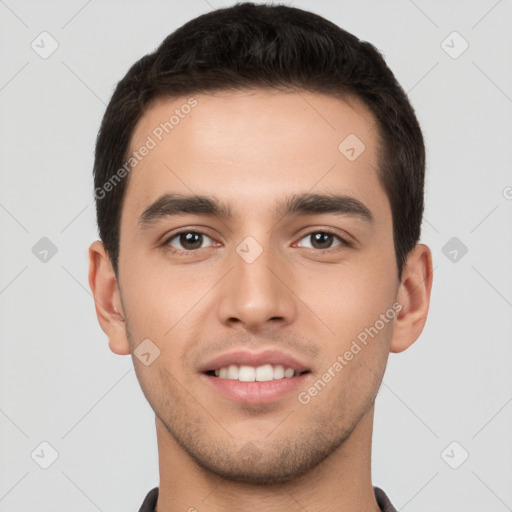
{"x":383,"y":501}
{"x":149,"y":503}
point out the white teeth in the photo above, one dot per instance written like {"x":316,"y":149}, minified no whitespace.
{"x":278,"y":372}
{"x":262,"y":373}
{"x":232,"y":372}
{"x":288,"y":372}
{"x":247,"y":374}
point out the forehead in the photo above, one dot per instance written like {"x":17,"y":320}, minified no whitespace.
{"x":250,"y":147}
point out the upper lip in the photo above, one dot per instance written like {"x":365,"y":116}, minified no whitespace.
{"x":244,"y":357}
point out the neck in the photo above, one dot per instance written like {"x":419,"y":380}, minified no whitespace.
{"x":341,"y":482}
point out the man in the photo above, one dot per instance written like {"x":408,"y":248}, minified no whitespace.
{"x":259,"y":185}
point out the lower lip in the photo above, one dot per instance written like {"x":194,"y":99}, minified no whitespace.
{"x":256,"y":392}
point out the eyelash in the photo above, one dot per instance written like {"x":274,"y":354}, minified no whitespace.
{"x":343,"y":242}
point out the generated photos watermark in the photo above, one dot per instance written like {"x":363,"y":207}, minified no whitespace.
{"x":305,"y":397}
{"x":151,"y":142}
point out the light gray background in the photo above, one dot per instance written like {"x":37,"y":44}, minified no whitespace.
{"x":61,"y":384}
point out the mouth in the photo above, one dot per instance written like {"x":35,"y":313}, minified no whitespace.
{"x":263,"y":373}
{"x":255,"y":378}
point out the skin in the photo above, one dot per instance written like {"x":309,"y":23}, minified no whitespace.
{"x":249,"y":150}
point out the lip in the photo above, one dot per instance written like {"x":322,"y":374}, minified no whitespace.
{"x":244,"y":357}
{"x":256,"y":392}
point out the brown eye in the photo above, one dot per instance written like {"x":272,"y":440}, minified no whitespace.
{"x":188,"y":240}
{"x":321,"y":240}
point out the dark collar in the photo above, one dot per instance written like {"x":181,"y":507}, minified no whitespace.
{"x":382,"y":500}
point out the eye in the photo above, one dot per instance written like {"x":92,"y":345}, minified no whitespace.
{"x":188,"y":241}
{"x":322,"y":240}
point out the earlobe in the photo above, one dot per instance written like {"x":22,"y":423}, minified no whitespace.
{"x":414,"y":298}
{"x":107,"y":299}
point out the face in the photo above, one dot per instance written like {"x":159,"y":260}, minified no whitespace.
{"x":256,"y":254}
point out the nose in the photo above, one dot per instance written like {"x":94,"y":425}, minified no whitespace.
{"x":255,"y":294}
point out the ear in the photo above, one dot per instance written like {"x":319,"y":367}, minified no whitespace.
{"x":414,"y":298}
{"x":107,"y":299}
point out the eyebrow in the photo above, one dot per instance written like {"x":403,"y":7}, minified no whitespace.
{"x":169,"y":205}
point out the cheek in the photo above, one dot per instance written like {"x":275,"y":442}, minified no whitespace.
{"x":348,"y":300}
{"x":157,"y":299}
{"x":160,"y":387}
